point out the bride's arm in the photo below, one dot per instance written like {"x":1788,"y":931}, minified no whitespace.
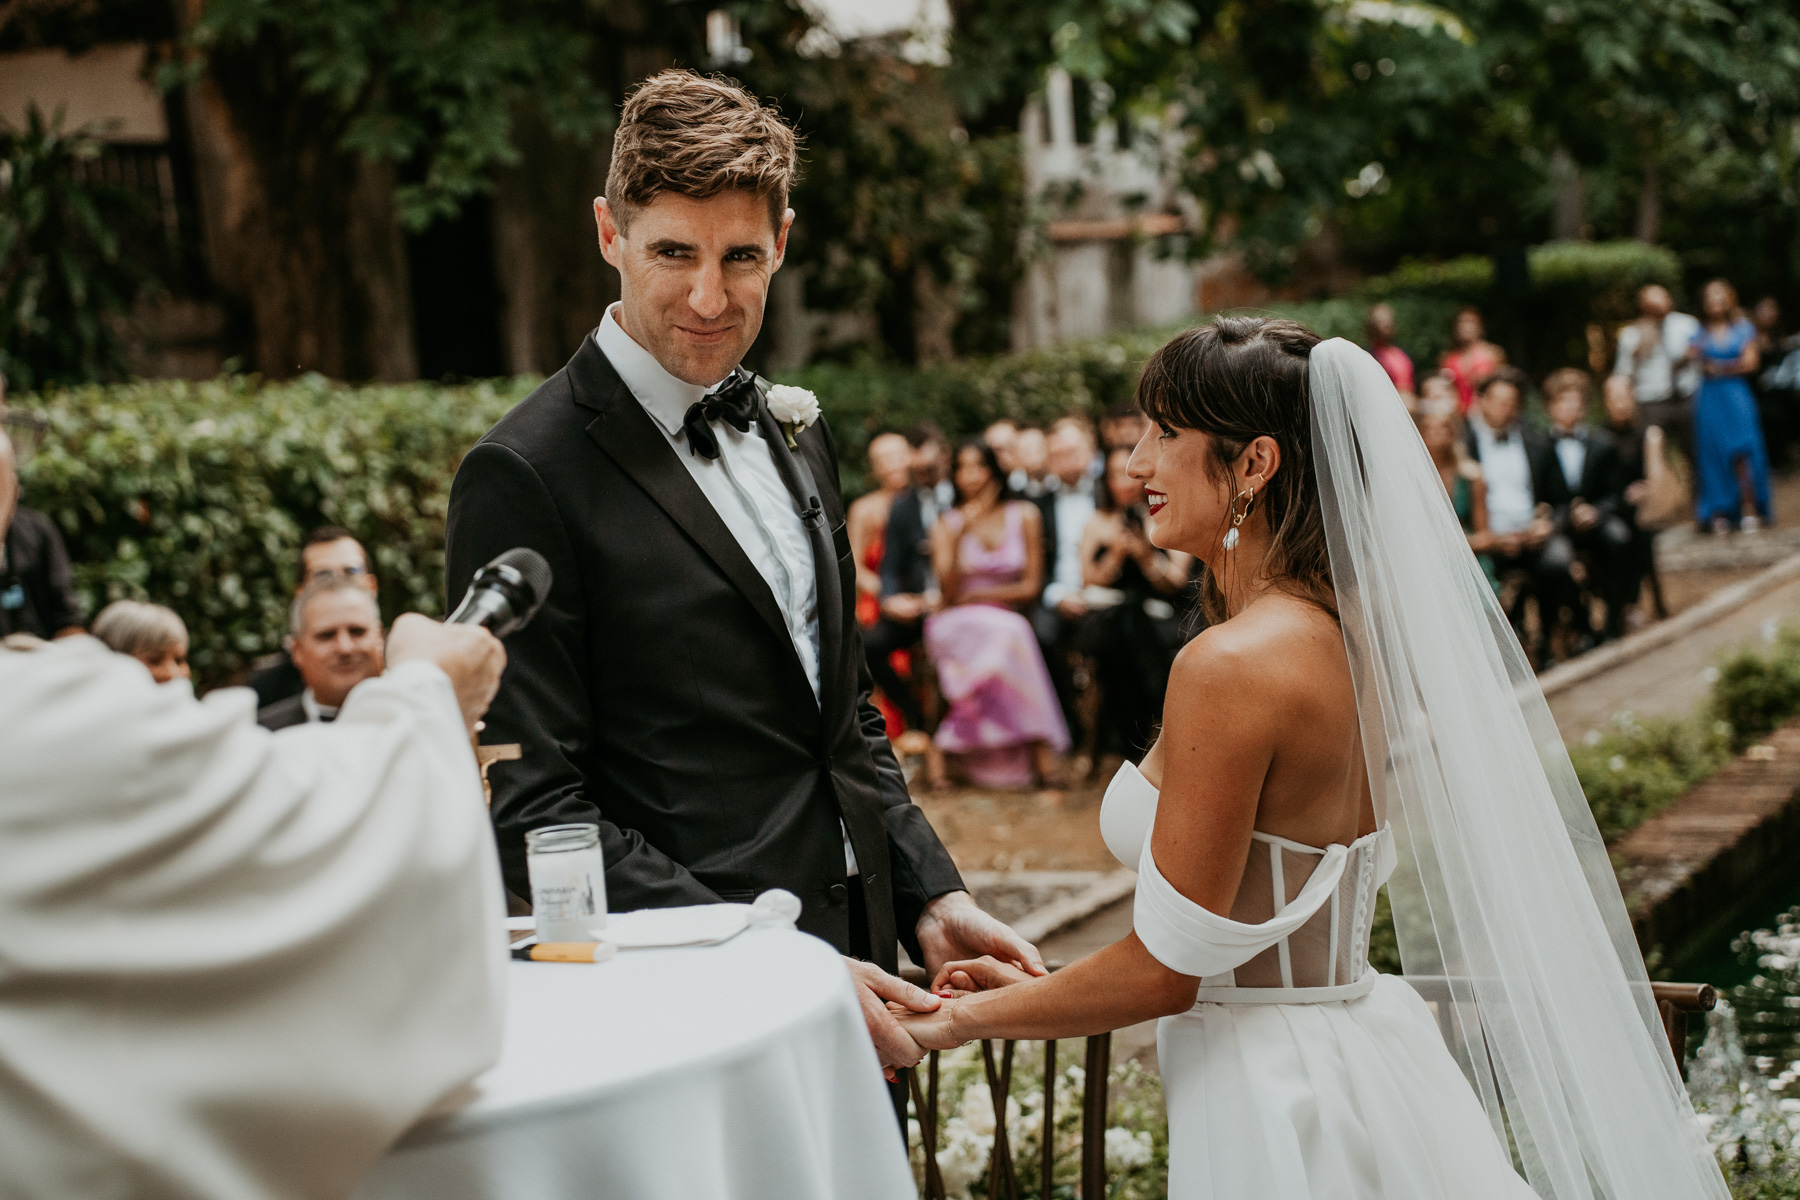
{"x":1215,"y":749}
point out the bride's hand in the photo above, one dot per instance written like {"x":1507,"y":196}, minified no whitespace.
{"x":934,"y":1030}
{"x":977,"y":975}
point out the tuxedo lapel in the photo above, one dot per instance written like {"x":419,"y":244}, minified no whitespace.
{"x":625,"y":432}
{"x":805,"y":490}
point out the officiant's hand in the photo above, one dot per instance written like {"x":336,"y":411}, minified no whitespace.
{"x":953,"y":927}
{"x":471,"y":656}
{"x":875,"y":988}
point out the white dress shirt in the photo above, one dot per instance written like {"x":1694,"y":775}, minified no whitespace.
{"x":1510,"y":502}
{"x":1074,"y":508}
{"x":745,"y":489}
{"x":309,"y":704}
{"x":1663,"y":373}
{"x":1571,"y":454}
{"x":743,"y":484}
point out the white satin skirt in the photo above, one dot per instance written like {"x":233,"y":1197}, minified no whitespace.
{"x":1346,"y":1100}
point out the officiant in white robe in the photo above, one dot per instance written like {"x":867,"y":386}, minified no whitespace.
{"x":235,"y":964}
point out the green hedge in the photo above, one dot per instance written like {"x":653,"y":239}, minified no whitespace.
{"x":196,"y":495}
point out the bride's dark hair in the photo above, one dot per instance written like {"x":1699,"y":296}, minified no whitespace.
{"x":1235,"y":380}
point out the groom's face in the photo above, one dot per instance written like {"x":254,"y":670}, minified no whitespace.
{"x":694,"y":276}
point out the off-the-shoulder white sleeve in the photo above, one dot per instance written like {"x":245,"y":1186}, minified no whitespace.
{"x":1188,"y":938}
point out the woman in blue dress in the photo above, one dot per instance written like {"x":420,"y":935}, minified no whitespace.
{"x":1731,"y":462}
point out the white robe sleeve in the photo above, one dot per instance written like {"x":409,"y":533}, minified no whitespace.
{"x":233,"y":963}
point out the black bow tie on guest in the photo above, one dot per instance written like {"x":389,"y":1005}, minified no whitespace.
{"x":735,"y":401}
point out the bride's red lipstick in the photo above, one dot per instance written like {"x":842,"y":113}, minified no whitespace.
{"x":1155,"y":499}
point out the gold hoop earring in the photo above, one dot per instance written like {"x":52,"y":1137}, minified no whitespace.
{"x":1248,"y":496}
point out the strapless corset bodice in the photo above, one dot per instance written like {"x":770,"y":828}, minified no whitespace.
{"x":1298,"y":931}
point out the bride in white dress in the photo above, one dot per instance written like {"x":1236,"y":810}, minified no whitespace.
{"x":1358,"y":713}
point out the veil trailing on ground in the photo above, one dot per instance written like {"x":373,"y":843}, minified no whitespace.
{"x":1505,"y":903}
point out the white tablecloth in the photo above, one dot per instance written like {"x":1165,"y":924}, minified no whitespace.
{"x":741,"y":1070}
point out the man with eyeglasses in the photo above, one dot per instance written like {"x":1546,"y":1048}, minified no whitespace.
{"x":328,"y":552}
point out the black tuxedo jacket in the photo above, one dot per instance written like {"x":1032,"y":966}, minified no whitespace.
{"x":658,"y":694}
{"x":906,"y":552}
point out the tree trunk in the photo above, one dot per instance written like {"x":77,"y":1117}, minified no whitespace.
{"x":1569,"y":211}
{"x":303,"y":232}
{"x":1649,"y":212}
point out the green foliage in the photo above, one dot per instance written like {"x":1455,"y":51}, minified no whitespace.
{"x":1637,"y":768}
{"x":1137,"y":1133}
{"x":1754,"y":692}
{"x":429,"y":85}
{"x":65,"y":281}
{"x":196,"y":495}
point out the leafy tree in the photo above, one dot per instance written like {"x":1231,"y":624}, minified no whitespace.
{"x":66,"y":280}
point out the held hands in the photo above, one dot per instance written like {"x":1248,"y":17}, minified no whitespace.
{"x":953,"y":928}
{"x":944,"y":1028}
{"x":471,"y":656}
{"x":882,"y":996}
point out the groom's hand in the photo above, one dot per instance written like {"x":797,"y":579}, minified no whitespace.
{"x":953,"y":927}
{"x":875,"y":988}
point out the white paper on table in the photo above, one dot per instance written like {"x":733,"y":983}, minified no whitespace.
{"x":693,"y":925}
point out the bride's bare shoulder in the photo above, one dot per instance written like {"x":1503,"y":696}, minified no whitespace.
{"x":1277,"y":645}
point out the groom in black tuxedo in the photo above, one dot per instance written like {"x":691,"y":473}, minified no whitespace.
{"x":695,"y":683}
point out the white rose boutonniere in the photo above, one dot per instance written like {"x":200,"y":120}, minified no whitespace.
{"x":794,"y":407}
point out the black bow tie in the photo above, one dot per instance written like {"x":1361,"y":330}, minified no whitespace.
{"x":735,"y":401}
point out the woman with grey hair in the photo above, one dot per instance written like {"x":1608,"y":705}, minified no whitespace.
{"x":150,"y":633}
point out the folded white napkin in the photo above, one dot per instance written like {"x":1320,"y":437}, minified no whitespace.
{"x":694,"y":925}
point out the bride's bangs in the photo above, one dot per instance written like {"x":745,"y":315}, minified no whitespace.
{"x":1237,"y":379}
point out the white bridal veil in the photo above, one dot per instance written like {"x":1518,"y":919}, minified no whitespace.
{"x":1507,"y":910}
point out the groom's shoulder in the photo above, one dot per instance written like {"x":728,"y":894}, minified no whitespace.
{"x":558,"y":408}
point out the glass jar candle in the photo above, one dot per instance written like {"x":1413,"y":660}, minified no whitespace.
{"x":568,"y":882}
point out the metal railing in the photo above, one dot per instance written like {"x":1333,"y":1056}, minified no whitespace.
{"x":1674,"y":1001}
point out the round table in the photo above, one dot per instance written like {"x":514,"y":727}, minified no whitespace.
{"x":739,"y":1070}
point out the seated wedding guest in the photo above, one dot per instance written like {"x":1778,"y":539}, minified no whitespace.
{"x":326,"y":551}
{"x":37,"y":587}
{"x":1592,"y":520}
{"x":336,"y":642}
{"x":1471,"y":357}
{"x":1132,"y":642}
{"x":1066,"y":506}
{"x":1637,"y":563}
{"x":1003,"y":436}
{"x":1441,"y":428}
{"x":907,"y":587}
{"x":1122,"y":426}
{"x":890,"y":468}
{"x":238,"y":967}
{"x":1381,"y":326}
{"x":1525,"y":488}
{"x":1032,"y":454}
{"x":150,"y":633}
{"x":1004,"y":727}
{"x":1437,"y":388}
{"x":1653,"y":355}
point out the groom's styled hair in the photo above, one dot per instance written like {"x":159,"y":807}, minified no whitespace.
{"x":697,"y":135}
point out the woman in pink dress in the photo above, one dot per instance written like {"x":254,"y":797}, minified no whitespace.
{"x":1004,"y":727}
{"x":1472,"y":358}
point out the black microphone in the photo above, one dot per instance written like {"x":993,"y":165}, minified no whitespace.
{"x":505,"y":594}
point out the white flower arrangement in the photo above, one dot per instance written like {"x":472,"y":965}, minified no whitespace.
{"x":794,"y":407}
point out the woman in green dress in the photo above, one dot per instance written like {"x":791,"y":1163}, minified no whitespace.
{"x":1441,"y":426}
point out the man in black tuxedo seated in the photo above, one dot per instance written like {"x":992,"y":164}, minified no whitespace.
{"x":1596,"y":519}
{"x":906,"y":582}
{"x":1528,"y":500}
{"x":695,"y":684}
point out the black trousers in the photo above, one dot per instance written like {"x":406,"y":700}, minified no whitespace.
{"x":899,"y":1090}
{"x":880,"y":640}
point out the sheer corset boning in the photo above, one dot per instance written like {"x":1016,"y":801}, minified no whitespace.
{"x":1298,"y":931}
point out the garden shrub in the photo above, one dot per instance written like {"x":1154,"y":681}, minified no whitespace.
{"x":1756,"y":692}
{"x":196,"y":495}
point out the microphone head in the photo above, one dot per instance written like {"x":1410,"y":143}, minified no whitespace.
{"x":506,"y":594}
{"x":534,"y":575}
